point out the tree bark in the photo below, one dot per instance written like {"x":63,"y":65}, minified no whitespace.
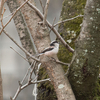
{"x":1,"y":91}
{"x":22,"y":29}
{"x":85,"y":65}
{"x":58,"y":79}
{"x":42,"y":40}
{"x":71,"y":29}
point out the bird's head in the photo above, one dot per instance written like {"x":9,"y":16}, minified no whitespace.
{"x":54,"y":43}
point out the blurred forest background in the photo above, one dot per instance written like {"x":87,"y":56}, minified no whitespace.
{"x":13,"y":67}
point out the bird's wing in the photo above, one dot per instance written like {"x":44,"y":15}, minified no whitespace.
{"x":47,"y":49}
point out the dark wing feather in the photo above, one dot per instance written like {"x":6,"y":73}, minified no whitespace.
{"x":48,"y":49}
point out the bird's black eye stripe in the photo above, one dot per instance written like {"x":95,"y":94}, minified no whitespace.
{"x":52,"y":43}
{"x":55,"y":42}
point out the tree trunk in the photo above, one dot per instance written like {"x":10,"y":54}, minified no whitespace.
{"x":1,"y":92}
{"x":22,"y":29}
{"x":84,"y":69}
{"x":71,"y":29}
{"x":42,"y":40}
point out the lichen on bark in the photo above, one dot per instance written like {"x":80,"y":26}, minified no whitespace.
{"x":71,"y":29}
{"x":84,"y":69}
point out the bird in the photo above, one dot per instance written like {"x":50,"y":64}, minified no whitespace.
{"x":51,"y":50}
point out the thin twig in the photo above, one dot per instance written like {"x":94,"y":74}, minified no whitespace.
{"x":39,"y":81}
{"x":19,"y":90}
{"x":52,"y":24}
{"x":67,"y":20}
{"x":2,"y":16}
{"x":27,"y":73}
{"x":60,"y":62}
{"x":23,"y":86}
{"x":7,"y":16}
{"x":31,"y":72}
{"x":1,"y":6}
{"x":42,"y":6}
{"x":13,"y":15}
{"x":24,"y":50}
{"x":35,"y":86}
{"x":53,"y":29}
{"x":45,"y":12}
{"x":19,"y":54}
{"x":27,"y":84}
{"x":70,"y":63}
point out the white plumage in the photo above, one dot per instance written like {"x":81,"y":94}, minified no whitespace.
{"x":52,"y":49}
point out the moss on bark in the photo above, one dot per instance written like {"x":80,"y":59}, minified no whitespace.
{"x":46,"y":90}
{"x":71,"y":29}
{"x":84,"y":69}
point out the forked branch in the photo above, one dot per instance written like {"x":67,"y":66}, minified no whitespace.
{"x":45,"y":13}
{"x":13,"y":15}
{"x":53,"y":29}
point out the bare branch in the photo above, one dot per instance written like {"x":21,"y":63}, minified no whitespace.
{"x":27,"y":73}
{"x":35,"y":86}
{"x":2,"y":13}
{"x":7,"y":16}
{"x":2,"y":17}
{"x":60,"y":62}
{"x":52,"y":24}
{"x":27,"y":84}
{"x":48,"y":79}
{"x":67,"y":20}
{"x":13,"y":15}
{"x":26,"y":52}
{"x":23,"y":86}
{"x":19,"y":90}
{"x":1,"y":6}
{"x":53,"y":29}
{"x":42,"y":6}
{"x":19,"y":54}
{"x":45,"y":13}
{"x":30,"y":81}
{"x":31,"y":72}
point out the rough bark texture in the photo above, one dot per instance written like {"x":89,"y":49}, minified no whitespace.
{"x":21,"y":27}
{"x":56,"y":74}
{"x":85,"y":65}
{"x":42,"y":40}
{"x":1,"y":6}
{"x":1,"y":91}
{"x":71,"y":29}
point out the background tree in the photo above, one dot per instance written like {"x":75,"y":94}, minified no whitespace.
{"x":1,"y":91}
{"x":38,"y":33}
{"x":84,"y":68}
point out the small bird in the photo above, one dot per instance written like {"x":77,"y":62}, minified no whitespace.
{"x":51,"y":50}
